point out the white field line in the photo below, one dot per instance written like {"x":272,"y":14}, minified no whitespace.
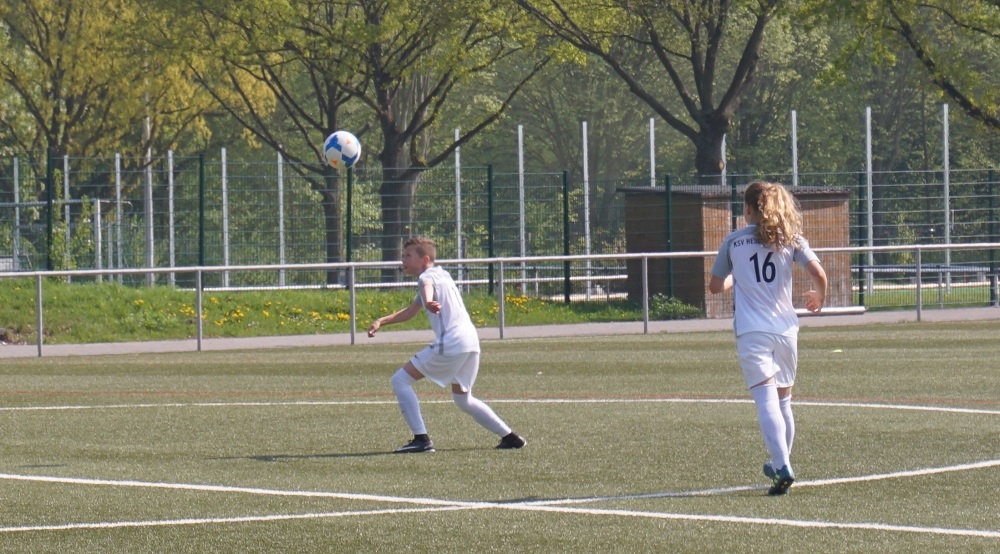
{"x":218,"y":520}
{"x":798,"y":483}
{"x":552,"y":506}
{"x":880,"y":406}
{"x":559,"y":506}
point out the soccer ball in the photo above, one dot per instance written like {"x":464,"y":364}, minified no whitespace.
{"x":341,"y":150}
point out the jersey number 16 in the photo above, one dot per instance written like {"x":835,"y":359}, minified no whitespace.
{"x":768,"y":272}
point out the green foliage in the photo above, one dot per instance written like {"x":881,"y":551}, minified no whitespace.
{"x":663,"y":307}
{"x":84,"y":74}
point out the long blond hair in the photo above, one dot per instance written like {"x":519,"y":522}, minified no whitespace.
{"x":779,"y":222}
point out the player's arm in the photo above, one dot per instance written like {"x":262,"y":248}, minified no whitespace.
{"x":427,"y":293}
{"x":395,"y":317}
{"x":718,"y":284}
{"x":817,"y":297}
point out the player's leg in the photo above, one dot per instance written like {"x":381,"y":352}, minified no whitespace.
{"x":787,"y":357}
{"x":785,"y":404}
{"x":756,"y":351}
{"x":409,"y":406}
{"x":461,"y":392}
{"x":772,"y":425}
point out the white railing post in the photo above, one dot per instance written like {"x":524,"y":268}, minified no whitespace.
{"x":458,"y":207}
{"x":39,"y":322}
{"x":119,"y":215}
{"x":172,"y":239}
{"x":281,"y":220}
{"x":67,"y":233}
{"x":97,"y":224}
{"x":225,"y":221}
{"x":645,"y":295}
{"x":199,"y":325}
{"x":520,"y":201}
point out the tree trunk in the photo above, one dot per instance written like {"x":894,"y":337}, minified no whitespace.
{"x":332,"y":221}
{"x":708,"y":158}
{"x":396,"y":195}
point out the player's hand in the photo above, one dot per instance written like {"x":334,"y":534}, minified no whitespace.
{"x":814,"y":301}
{"x":433,"y":306}
{"x":373,"y":328}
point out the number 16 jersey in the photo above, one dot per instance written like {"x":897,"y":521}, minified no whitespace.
{"x":762,"y":281}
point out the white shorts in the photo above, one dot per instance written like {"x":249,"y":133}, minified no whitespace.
{"x":460,"y":369}
{"x":766,"y":355}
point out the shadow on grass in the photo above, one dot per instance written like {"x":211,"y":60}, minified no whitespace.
{"x":293,"y":457}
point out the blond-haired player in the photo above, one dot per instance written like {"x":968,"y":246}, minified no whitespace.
{"x":756,"y":261}
{"x":453,"y":357}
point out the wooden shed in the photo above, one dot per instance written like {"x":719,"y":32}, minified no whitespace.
{"x":701,"y":216}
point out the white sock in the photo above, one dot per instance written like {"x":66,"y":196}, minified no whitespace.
{"x":786,"y":414}
{"x":772,"y":425}
{"x":480,"y":412}
{"x":402,"y":385}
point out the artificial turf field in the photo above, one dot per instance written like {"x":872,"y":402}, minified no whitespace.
{"x":635,"y":444}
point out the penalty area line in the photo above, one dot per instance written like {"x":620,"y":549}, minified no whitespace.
{"x":550,"y":506}
{"x":762,"y":521}
{"x":746,"y":488}
{"x":223,"y":520}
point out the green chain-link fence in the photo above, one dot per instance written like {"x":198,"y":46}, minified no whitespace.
{"x":180,"y":211}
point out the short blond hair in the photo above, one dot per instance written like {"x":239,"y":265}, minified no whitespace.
{"x":422,"y":246}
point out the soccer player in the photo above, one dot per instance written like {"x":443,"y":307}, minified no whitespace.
{"x":451,"y":359}
{"x":757,"y":261}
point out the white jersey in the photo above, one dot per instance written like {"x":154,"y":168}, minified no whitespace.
{"x":762,"y":281}
{"x":454,"y":332}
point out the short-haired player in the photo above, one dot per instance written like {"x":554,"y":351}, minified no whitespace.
{"x":452,"y":359}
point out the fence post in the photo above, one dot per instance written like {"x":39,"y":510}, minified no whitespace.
{"x":98,"y":239}
{"x":171,"y":241}
{"x":49,"y":177}
{"x":667,"y":225}
{"x":862,"y":239}
{"x":352,"y":294}
{"x":992,"y":217}
{"x":199,"y":284}
{"x":148,"y":215}
{"x":489,"y":226}
{"x":16,"y":231}
{"x":920,"y":284}
{"x":67,"y":236}
{"x":281,"y":219}
{"x":119,"y":216}
{"x":500,"y":302}
{"x":225,"y":218}
{"x":201,"y":210}
{"x":645,"y":295}
{"x":732,"y":205}
{"x":39,"y":321}
{"x":349,"y":224}
{"x":566,"y":264}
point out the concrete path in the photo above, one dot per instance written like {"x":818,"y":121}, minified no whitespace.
{"x":487,"y":333}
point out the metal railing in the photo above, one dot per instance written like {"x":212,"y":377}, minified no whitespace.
{"x":992,"y":275}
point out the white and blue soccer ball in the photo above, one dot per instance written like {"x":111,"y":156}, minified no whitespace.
{"x":342,"y":150}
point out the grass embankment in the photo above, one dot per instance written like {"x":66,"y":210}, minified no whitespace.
{"x":107,"y":312}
